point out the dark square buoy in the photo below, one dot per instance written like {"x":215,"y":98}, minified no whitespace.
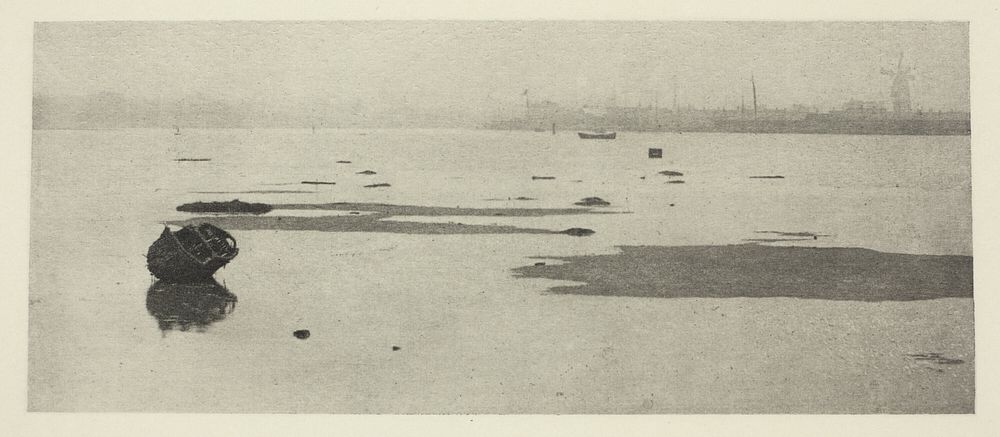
{"x":655,"y":153}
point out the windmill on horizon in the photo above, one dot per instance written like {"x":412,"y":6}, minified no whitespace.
{"x":900,"y":93}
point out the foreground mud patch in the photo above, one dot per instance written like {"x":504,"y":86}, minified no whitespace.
{"x":378,"y":219}
{"x":751,"y":270}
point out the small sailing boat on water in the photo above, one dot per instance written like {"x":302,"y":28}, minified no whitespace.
{"x":177,"y":130}
{"x":598,"y":135}
{"x":191,"y":254}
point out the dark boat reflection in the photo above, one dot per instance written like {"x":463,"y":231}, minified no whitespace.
{"x":186,"y":307}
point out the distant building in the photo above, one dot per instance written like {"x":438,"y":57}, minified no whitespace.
{"x":862,"y":109}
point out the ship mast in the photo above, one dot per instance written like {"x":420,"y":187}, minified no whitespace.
{"x":527,"y":108}
{"x":656,"y":109}
{"x":675,"y":93}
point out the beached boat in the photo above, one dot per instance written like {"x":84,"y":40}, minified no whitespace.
{"x":597,"y":135}
{"x":190,"y":254}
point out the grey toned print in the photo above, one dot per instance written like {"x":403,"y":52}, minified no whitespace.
{"x":501,"y":217}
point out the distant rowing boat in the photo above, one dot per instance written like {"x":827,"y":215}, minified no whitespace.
{"x":597,"y":135}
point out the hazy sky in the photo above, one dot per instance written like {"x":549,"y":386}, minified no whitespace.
{"x":480,"y":66}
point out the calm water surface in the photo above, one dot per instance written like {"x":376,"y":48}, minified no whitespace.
{"x":468,"y":336}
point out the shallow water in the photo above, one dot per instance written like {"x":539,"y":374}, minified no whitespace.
{"x":471,"y":336}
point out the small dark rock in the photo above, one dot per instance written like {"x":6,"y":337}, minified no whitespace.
{"x":524,"y":198}
{"x":343,"y":162}
{"x":396,"y":348}
{"x":592,"y":201}
{"x":578,"y":232}
{"x":377,"y":185}
{"x":354,"y":213}
{"x":539,"y":264}
{"x":671,"y":173}
{"x":675,"y":182}
{"x":367,"y":172}
{"x":671,"y":204}
{"x":767,"y":177}
{"x":535,"y":178}
{"x":301,"y":334}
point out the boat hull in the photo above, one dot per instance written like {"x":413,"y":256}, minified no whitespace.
{"x":170,"y":261}
{"x":597,"y":136}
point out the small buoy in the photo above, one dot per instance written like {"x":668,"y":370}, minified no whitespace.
{"x":301,"y":334}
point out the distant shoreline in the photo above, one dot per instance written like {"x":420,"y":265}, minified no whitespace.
{"x":809,"y":126}
{"x":525,"y":131}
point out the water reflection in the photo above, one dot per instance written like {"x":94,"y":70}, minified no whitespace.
{"x":186,"y":307}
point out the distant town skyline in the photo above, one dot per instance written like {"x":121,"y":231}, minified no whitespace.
{"x":472,"y":70}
